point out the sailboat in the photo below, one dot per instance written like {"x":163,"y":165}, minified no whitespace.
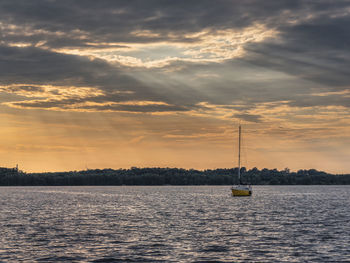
{"x":240,"y":189}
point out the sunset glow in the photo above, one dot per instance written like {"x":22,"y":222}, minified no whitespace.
{"x":89,"y":85}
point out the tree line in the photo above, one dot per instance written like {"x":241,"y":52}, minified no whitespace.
{"x":171,"y":176}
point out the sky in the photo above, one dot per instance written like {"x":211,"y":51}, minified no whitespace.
{"x":165,"y":83}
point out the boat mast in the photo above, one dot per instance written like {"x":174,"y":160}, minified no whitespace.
{"x":239,"y":155}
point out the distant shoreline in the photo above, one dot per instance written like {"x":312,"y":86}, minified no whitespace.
{"x":170,"y":176}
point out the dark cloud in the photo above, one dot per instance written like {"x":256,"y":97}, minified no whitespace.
{"x":25,"y":88}
{"x":136,"y":108}
{"x":326,"y":100}
{"x":73,"y":104}
{"x":310,"y":54}
{"x":41,"y":67}
{"x":74,"y":23}
{"x":37,"y":66}
{"x":249,"y":117}
{"x":33,"y":65}
{"x":111,"y":21}
{"x":319,"y":53}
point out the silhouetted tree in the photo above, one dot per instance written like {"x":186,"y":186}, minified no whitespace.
{"x":171,"y":176}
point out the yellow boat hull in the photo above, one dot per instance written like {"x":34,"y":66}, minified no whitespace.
{"x":241,"y":192}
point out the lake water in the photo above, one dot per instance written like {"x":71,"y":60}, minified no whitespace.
{"x":174,"y":224}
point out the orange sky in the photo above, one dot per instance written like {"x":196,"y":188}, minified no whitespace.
{"x":41,"y":140}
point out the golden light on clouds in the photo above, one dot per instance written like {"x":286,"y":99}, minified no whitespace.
{"x":203,"y":47}
{"x":50,"y":91}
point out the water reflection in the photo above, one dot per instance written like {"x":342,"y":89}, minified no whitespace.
{"x":175,"y":224}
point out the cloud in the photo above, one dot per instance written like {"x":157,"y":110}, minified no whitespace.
{"x":249,"y":117}
{"x":58,"y":80}
{"x":152,"y":21}
{"x":108,"y":106}
{"x":87,"y":56}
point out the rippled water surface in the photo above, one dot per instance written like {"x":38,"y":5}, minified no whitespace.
{"x":175,"y":224}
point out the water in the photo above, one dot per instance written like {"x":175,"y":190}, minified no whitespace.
{"x":174,"y":224}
